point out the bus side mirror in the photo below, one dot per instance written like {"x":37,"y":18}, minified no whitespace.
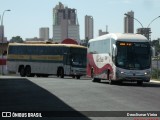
{"x":5,"y":52}
{"x":114,"y":50}
{"x":153,"y":52}
{"x":88,"y":45}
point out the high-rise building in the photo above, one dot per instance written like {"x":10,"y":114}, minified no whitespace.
{"x":88,"y":27}
{"x":103,"y":32}
{"x":65,"y":23}
{"x":145,"y":31}
{"x":44,"y":33}
{"x":129,"y":23}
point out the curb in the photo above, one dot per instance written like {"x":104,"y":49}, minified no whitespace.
{"x":155,"y":81}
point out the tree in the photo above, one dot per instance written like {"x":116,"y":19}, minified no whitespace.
{"x":17,"y":39}
{"x":156,"y":44}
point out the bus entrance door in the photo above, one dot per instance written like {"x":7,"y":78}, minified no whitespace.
{"x":66,"y":63}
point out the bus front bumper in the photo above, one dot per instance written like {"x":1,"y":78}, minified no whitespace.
{"x":144,"y":79}
{"x":132,"y":76}
{"x":79,"y":71}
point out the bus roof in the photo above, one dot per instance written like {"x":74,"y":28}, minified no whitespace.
{"x":41,"y":44}
{"x":122,"y":37}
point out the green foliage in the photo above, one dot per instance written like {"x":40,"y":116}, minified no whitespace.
{"x":17,"y":39}
{"x":156,"y":44}
{"x":155,"y":73}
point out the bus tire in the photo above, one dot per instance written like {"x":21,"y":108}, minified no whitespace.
{"x":45,"y":75}
{"x":93,"y":76}
{"x":96,"y":80}
{"x":78,"y":77}
{"x":73,"y":76}
{"x":28,"y":71}
{"x":32,"y":75}
{"x":38,"y":75}
{"x":58,"y":72}
{"x":61,"y":73}
{"x":111,"y":82}
{"x":140,"y":83}
{"x":92,"y":72}
{"x":22,"y":71}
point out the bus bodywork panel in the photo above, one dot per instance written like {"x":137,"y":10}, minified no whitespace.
{"x":100,"y":63}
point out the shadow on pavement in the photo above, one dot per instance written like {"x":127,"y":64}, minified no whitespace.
{"x":20,"y":94}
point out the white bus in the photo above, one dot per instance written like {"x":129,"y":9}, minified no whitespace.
{"x":119,"y":57}
{"x":47,"y":59}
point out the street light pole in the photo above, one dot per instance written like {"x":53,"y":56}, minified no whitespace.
{"x":2,"y":27}
{"x":3,"y":16}
{"x":150,"y":24}
{"x":152,"y":21}
{"x":146,"y":31}
{"x":134,"y":18}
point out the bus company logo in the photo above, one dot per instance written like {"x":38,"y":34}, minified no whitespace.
{"x":99,"y":58}
{"x":106,"y":57}
{"x":6,"y":114}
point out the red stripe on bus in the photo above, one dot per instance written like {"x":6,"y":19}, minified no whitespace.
{"x":91,"y":63}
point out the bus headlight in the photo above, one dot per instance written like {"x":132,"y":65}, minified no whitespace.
{"x":122,"y":72}
{"x":119,"y":72}
{"x":147,"y":73}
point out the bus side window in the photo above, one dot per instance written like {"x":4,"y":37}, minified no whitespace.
{"x":30,"y":50}
{"x":10,"y":50}
{"x":41,"y":50}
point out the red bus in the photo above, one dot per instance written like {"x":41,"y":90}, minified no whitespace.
{"x":119,"y":57}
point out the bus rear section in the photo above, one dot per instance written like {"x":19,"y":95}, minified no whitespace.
{"x":43,"y":60}
{"x":119,"y":57}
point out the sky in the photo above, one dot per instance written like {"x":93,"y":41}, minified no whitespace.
{"x":27,"y":16}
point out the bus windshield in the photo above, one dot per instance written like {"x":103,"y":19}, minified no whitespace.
{"x":133,"y":55}
{"x":78,"y":57}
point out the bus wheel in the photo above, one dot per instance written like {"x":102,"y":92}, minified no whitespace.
{"x":61,"y":73}
{"x":38,"y":75}
{"x":93,"y":76}
{"x":92,"y":73}
{"x":140,"y":83}
{"x":28,"y":71}
{"x":58,"y":72}
{"x":96,"y":80}
{"x":73,"y":76}
{"x":45,"y":75}
{"x":78,"y":77}
{"x":111,"y":82}
{"x":22,"y":71}
{"x":32,"y":75}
